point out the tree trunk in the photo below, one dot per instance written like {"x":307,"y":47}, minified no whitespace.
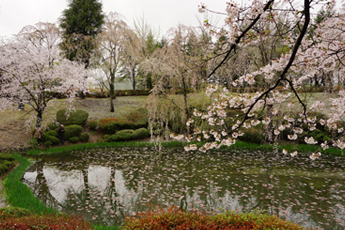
{"x":39,"y":118}
{"x":112,"y":93}
{"x":133,"y":78}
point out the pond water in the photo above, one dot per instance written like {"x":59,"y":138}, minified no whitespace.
{"x":105,"y":185}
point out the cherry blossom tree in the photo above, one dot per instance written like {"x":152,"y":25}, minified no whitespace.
{"x":110,"y":51}
{"x":34,"y":72}
{"x":305,"y":57}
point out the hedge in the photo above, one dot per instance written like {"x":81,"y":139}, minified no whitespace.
{"x":78,"y":117}
{"x":129,"y":134}
{"x":72,"y":131}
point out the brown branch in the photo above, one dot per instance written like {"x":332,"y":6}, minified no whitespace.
{"x":234,"y":45}
{"x":292,"y":58}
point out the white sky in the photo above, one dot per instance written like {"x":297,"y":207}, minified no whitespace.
{"x":160,"y":14}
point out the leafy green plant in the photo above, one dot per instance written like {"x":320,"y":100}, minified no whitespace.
{"x":47,"y":221}
{"x":48,"y":144}
{"x":84,"y":137}
{"x":13,"y":212}
{"x":72,"y":131}
{"x":93,"y":124}
{"x":74,"y":139}
{"x":129,"y":134}
{"x":52,"y":133}
{"x":7,"y":162}
{"x":78,"y":117}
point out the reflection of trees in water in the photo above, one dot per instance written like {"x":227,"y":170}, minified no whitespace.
{"x":41,"y":189}
{"x":211,"y":181}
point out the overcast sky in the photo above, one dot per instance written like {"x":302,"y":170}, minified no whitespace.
{"x":160,"y":14}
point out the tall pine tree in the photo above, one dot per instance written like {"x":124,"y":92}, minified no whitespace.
{"x":81,"y":22}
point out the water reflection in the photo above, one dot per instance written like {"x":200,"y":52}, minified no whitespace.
{"x":105,"y":186}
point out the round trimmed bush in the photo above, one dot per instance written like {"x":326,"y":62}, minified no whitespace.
{"x":48,"y":144}
{"x":141,"y":133}
{"x":53,"y":125}
{"x":52,"y":133}
{"x":93,"y":124}
{"x":74,"y":139}
{"x":72,"y":131}
{"x":84,"y":137}
{"x":78,"y":117}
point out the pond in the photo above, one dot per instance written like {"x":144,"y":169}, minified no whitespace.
{"x":105,"y":185}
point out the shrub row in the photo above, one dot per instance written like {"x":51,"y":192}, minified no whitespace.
{"x":20,"y":219}
{"x":105,"y":94}
{"x":78,"y":117}
{"x":129,"y":134}
{"x":135,"y":120}
{"x":174,"y":218}
{"x":7,"y":162}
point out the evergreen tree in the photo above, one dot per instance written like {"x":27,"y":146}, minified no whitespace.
{"x":81,"y":22}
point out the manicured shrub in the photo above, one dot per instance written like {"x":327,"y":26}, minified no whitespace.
{"x":74,"y":139}
{"x":48,"y":144}
{"x":129,"y":134}
{"x":174,"y":218}
{"x":52,"y":133}
{"x":47,"y":221}
{"x":84,"y":137}
{"x":72,"y":131}
{"x":93,"y":124}
{"x":141,"y":133}
{"x":123,"y":135}
{"x":6,"y":163}
{"x":78,"y":117}
{"x":53,"y":125}
{"x":112,"y":125}
{"x":140,"y":117}
{"x":46,"y":137}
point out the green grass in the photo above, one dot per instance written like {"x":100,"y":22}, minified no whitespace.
{"x":301,"y":148}
{"x":18,"y":194}
{"x":67,"y":149}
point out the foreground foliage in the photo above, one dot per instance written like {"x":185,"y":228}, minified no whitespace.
{"x":47,"y":221}
{"x":174,"y":218}
{"x":6,"y":163}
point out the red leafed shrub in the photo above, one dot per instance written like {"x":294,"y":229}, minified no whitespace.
{"x":45,"y":222}
{"x":174,"y":218}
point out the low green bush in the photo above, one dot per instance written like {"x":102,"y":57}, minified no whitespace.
{"x":141,"y":133}
{"x":48,"y":144}
{"x":7,"y":162}
{"x":52,"y":125}
{"x":129,"y":134}
{"x":52,"y":133}
{"x":112,"y":125}
{"x":72,"y":131}
{"x":78,"y":117}
{"x":74,"y":139}
{"x":123,"y":135}
{"x":46,"y":137}
{"x":84,"y":137}
{"x":93,"y":124}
